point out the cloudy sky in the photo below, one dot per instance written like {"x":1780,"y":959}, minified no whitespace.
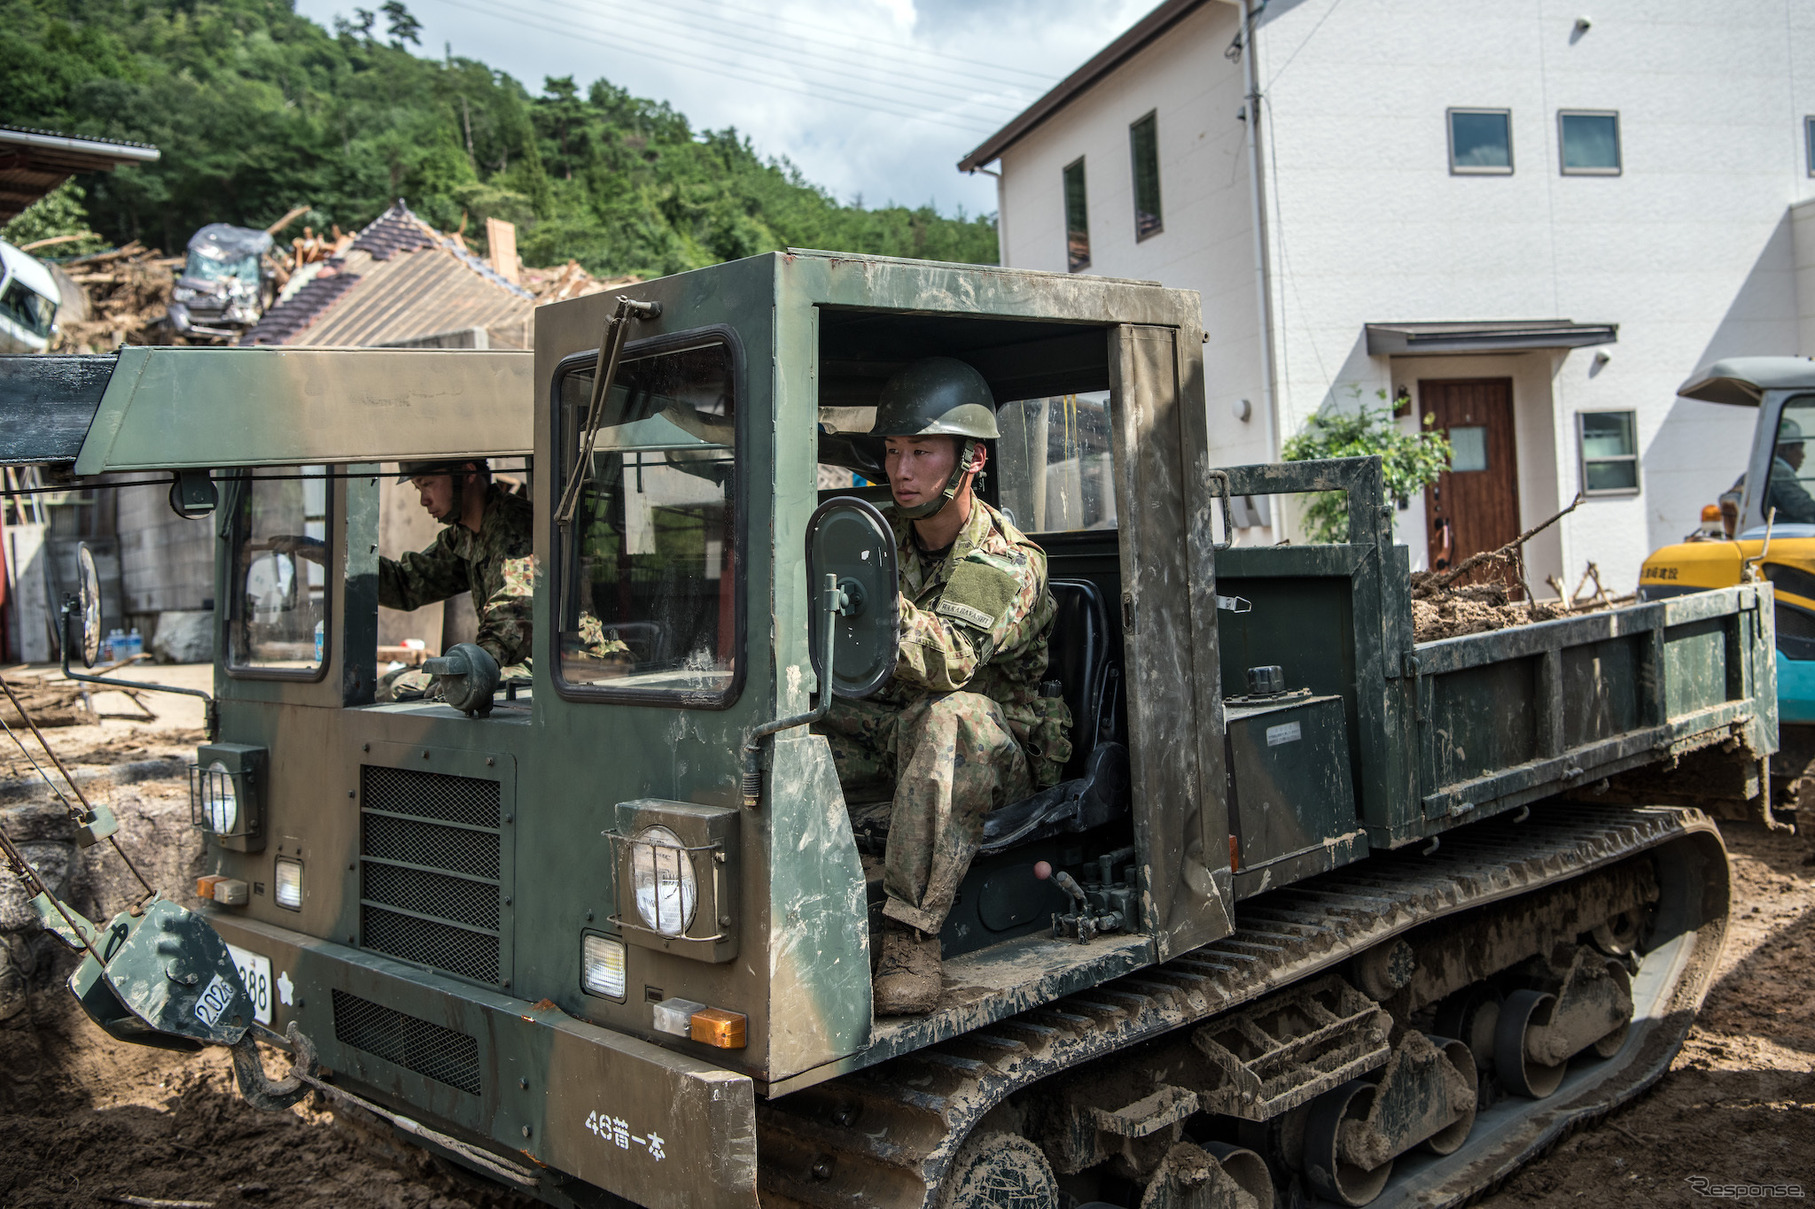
{"x":873,"y":99}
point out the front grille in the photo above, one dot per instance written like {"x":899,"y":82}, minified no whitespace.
{"x":431,"y":870}
{"x":442,"y":1054}
{"x":474,"y":904}
{"x":457,"y":950}
{"x":432,"y":795}
{"x":474,"y":853}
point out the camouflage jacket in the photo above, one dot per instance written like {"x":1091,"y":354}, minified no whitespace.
{"x":495,"y":565}
{"x":978,"y":621}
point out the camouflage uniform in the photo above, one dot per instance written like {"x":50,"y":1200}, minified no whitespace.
{"x":495,"y":565}
{"x":961,"y":728}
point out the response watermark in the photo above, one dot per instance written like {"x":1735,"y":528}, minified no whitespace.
{"x":1701,"y":1185}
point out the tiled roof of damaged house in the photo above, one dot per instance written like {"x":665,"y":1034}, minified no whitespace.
{"x":400,"y":282}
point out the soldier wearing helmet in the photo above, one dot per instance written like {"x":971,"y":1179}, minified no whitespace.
{"x":1784,"y":490}
{"x":485,"y":549}
{"x":961,"y":727}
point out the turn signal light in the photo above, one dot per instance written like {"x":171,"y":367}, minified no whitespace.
{"x":204,"y":886}
{"x":716,"y":1026}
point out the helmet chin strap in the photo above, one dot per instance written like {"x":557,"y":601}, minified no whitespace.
{"x":920,"y":512}
{"x":457,"y":506}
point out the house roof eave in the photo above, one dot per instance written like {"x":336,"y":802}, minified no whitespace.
{"x":1142,"y":32}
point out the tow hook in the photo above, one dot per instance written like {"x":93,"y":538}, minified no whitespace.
{"x":260,"y":1090}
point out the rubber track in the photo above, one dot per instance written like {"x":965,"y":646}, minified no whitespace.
{"x":885,"y":1135}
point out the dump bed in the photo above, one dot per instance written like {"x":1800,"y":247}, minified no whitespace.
{"x":1600,"y":705}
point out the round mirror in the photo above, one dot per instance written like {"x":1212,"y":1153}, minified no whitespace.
{"x":89,"y":617}
{"x":849,"y":538}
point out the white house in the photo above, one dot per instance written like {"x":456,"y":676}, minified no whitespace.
{"x":1530,"y":219}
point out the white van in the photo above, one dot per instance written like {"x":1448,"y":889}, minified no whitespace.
{"x":28,"y":303}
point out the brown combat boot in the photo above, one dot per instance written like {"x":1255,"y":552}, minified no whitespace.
{"x":907,"y":973}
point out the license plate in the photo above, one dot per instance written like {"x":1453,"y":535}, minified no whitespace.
{"x":255,"y":973}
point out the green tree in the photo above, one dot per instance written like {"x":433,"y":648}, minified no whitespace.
{"x":257,"y":109}
{"x":59,"y":212}
{"x":1409,"y":461}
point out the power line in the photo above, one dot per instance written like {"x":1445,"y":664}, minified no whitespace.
{"x":744,"y":44}
{"x":939,"y":60}
{"x":877,"y":104}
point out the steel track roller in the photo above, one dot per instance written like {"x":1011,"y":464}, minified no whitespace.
{"x":1329,"y":1173}
{"x":1449,"y":1139}
{"x":1524,"y":1011}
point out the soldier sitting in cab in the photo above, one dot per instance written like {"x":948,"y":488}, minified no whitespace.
{"x":960,"y":728}
{"x":486,"y":549}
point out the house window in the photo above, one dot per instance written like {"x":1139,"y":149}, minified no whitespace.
{"x":1077,"y":219}
{"x":1590,"y":142}
{"x":1480,"y":142}
{"x":1144,"y":146}
{"x":1610,"y":452}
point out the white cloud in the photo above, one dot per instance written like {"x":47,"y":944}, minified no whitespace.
{"x":877,"y":99}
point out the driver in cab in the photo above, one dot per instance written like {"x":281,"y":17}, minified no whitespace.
{"x":960,"y":728}
{"x":485,"y":549}
{"x":1783,"y":489}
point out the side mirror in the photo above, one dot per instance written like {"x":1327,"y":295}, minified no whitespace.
{"x":88,"y":609}
{"x":848,"y":538}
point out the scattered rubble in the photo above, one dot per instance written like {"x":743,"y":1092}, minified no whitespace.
{"x":1489,"y":591}
{"x":570,"y":280}
{"x":128,"y":293}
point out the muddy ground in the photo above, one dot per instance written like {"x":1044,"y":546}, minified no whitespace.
{"x":86,"y":1122}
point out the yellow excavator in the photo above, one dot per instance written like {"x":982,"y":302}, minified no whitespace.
{"x":1763,"y":526}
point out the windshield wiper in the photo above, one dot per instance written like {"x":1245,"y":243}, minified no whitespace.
{"x":606,"y":368}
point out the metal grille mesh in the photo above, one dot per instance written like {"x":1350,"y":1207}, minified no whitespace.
{"x":430,"y":795}
{"x":454,"y":898}
{"x":439,"y":835}
{"x":474,"y":853}
{"x":469,"y":954}
{"x":442,"y":1054}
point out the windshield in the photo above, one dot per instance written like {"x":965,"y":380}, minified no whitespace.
{"x":649,"y":596}
{"x":28,"y":308}
{"x":1056,"y":463}
{"x":1790,"y":479}
{"x":279,"y":595}
{"x":208,"y":268}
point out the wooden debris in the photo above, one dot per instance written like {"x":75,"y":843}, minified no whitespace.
{"x":128,"y":292}
{"x":50,"y":703}
{"x":570,"y":280}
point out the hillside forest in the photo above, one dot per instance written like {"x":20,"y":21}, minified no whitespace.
{"x":257,"y":109}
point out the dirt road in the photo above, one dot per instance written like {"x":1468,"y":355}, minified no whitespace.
{"x":84,"y":1121}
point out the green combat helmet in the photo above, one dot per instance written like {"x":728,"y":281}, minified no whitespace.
{"x":938,"y":396}
{"x":453,"y":466}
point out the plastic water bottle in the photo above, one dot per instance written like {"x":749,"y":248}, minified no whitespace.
{"x":135,"y":645}
{"x":115,"y":645}
{"x":320,"y":637}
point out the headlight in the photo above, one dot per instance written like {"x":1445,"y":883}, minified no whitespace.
{"x":602,"y":966}
{"x":662,"y":872}
{"x":223,"y":802}
{"x":289,"y":884}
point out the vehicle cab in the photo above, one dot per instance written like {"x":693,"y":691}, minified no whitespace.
{"x":28,"y":303}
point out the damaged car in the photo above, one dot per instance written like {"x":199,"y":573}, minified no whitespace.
{"x":228,"y":281}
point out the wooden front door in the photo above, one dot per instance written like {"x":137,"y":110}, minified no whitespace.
{"x":1474,"y":505}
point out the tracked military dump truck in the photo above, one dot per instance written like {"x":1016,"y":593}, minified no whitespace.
{"x":1317,"y":911}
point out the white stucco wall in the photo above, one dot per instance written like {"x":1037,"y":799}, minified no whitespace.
{"x":1207,"y":243}
{"x":1691,"y":250}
